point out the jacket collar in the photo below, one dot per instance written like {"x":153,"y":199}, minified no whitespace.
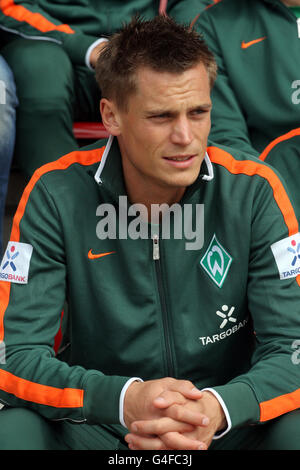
{"x":109,"y":173}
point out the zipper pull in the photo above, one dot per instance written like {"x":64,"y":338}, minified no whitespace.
{"x":155,"y":247}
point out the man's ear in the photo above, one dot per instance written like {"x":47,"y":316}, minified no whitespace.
{"x":110,"y":116}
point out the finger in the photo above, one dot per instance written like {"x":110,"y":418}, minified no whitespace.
{"x":136,"y":442}
{"x":168,"y":398}
{"x":177,"y":441}
{"x":184,"y":414}
{"x":187,"y":389}
{"x":160,"y":426}
{"x":183,"y":388}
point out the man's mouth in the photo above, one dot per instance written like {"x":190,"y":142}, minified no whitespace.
{"x":181,"y":161}
{"x":180,"y":158}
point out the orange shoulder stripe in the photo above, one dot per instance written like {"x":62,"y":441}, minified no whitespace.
{"x":212,"y":4}
{"x":280,"y":405}
{"x":250,"y":168}
{"x":84,"y":157}
{"x":37,"y":20}
{"x":193,"y":22}
{"x":276,"y":141}
{"x":41,"y":394}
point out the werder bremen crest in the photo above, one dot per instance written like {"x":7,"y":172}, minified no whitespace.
{"x":216,"y":261}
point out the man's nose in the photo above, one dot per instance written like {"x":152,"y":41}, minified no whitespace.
{"x":181,"y":132}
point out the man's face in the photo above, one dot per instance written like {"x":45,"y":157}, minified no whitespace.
{"x":163,"y":133}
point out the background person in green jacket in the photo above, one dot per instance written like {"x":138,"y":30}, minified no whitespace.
{"x":256,"y":95}
{"x":147,"y":307}
{"x":52,"y":48}
{"x":283,"y":154}
{"x":8,"y":104}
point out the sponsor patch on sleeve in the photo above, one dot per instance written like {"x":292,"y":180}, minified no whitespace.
{"x":287,"y":256}
{"x":15,"y":263}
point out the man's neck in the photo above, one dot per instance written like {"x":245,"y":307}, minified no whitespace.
{"x":151,"y":198}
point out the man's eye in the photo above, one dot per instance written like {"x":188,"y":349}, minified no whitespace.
{"x":197,"y":112}
{"x":160,"y":116}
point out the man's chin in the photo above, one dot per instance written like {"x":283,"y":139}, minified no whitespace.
{"x":183,"y":181}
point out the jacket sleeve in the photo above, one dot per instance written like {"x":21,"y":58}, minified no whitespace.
{"x":229,"y":125}
{"x":271,"y":386}
{"x":30,"y":373}
{"x":28,"y":20}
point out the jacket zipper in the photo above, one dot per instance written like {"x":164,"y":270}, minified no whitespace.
{"x":163,"y":303}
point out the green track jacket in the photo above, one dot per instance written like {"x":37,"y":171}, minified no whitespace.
{"x":226,"y":315}
{"x":76,"y":25}
{"x":256,"y":96}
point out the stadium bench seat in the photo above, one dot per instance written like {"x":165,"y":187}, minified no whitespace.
{"x":89,"y":130}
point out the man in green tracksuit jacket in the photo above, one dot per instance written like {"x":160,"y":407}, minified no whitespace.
{"x":52,"y":48}
{"x":256,"y":45}
{"x":183,"y":338}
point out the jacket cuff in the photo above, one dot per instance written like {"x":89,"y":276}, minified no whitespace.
{"x":222,"y":433}
{"x":101,"y":399}
{"x":76,"y":46}
{"x":122,"y":398}
{"x":241,"y":403}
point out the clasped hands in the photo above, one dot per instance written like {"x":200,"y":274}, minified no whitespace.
{"x":170,"y":414}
